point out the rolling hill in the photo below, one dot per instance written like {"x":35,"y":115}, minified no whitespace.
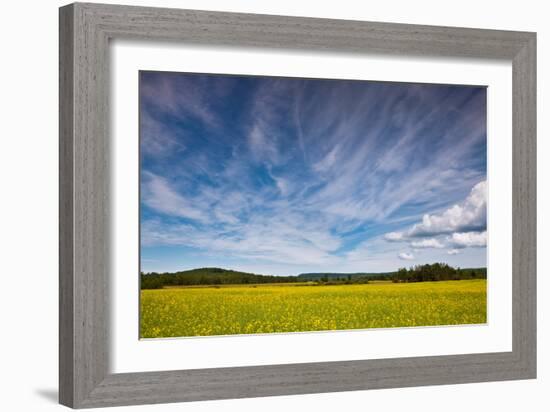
{"x":219,"y":276}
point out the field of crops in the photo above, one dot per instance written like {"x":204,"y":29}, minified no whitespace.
{"x":289,"y":308}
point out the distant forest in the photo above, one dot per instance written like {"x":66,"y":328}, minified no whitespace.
{"x":218,"y":276}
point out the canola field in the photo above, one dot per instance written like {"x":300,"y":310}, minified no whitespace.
{"x":250,"y":309}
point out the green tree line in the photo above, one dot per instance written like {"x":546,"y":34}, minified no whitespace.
{"x":436,"y":272}
{"x":208,"y":276}
{"x":218,"y":276}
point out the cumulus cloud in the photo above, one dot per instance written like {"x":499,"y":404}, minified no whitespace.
{"x":469,"y":239}
{"x":453,"y":252}
{"x":464,"y":225}
{"x":405,"y":256}
{"x":471,"y":215}
{"x":428,"y":243}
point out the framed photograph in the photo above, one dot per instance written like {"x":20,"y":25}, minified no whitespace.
{"x":256,"y":205}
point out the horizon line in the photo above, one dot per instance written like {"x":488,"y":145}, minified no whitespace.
{"x":309,"y":273}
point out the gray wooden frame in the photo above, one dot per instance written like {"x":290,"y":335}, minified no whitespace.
{"x":85,"y":31}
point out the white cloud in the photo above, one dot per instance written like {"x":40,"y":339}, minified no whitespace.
{"x":261,"y":145}
{"x":465,"y":223}
{"x":394,"y":236}
{"x":428,"y":243}
{"x":469,"y":239}
{"x":157,"y":139}
{"x":274,"y":241}
{"x":158,"y":195}
{"x":470,"y":215}
{"x":327,"y":162}
{"x":453,"y":252}
{"x":283,"y":185}
{"x":182,"y":98}
{"x":405,"y":256}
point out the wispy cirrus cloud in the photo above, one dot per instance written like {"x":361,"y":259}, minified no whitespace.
{"x":293,"y":174}
{"x":160,"y":197}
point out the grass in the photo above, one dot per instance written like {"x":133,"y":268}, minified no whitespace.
{"x":287,"y":308}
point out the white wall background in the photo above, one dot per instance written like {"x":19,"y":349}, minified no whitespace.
{"x":28,"y":205}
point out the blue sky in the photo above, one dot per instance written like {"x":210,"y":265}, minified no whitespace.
{"x":284,"y":176}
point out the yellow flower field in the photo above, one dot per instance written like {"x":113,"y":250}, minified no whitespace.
{"x":247,"y":309}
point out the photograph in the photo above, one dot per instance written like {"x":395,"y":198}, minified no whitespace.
{"x":271,"y":206}
{"x":282,"y":204}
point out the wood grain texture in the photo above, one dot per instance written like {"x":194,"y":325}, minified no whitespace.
{"x":85,"y":31}
{"x":524,"y":225}
{"x":84,"y":161}
{"x":66,"y":228}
